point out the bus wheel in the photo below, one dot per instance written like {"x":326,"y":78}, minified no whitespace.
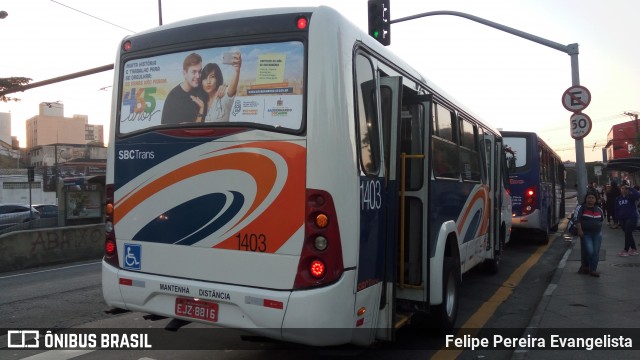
{"x":445,"y":314}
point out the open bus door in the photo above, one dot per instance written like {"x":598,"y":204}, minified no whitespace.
{"x":378,"y":214}
{"x":390,"y":91}
{"x":494,"y":177}
{"x":405,"y":129}
{"x":414,"y":245}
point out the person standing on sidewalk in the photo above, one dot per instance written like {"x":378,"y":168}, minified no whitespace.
{"x":612,"y":195}
{"x":589,"y":224}
{"x":626,"y":215}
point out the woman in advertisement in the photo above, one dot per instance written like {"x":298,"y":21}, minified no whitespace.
{"x":219,"y":101}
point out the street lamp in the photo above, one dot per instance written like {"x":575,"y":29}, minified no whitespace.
{"x":3,"y":14}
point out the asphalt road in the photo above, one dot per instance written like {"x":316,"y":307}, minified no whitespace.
{"x":71,"y":296}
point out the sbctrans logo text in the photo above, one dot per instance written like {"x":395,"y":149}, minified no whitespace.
{"x":135,"y":155}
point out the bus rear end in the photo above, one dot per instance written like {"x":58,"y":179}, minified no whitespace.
{"x":524,"y":179}
{"x":209,"y":217}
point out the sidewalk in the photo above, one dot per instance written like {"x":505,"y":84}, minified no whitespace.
{"x":590,"y":306}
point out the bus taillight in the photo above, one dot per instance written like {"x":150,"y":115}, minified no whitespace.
{"x":321,"y":257}
{"x":530,"y":200}
{"x":317,"y":269}
{"x":110,"y":246}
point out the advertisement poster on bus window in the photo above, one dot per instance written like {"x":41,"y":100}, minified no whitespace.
{"x":260,"y":83}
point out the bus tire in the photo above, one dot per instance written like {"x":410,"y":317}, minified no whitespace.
{"x":446,"y":313}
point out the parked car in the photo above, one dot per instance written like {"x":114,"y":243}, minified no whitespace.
{"x":17,"y":213}
{"x":47,"y":211}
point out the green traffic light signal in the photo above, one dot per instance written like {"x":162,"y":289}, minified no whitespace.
{"x":379,"y":21}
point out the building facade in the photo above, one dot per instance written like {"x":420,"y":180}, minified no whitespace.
{"x":50,"y":126}
{"x":621,"y":140}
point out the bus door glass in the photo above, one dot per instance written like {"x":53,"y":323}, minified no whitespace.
{"x":493,"y":152}
{"x":414,"y":242}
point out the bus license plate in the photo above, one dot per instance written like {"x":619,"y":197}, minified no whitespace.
{"x":197,"y":309}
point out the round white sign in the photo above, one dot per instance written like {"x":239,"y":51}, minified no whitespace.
{"x":580,"y":125}
{"x":576,"y":98}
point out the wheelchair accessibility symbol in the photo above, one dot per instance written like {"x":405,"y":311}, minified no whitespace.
{"x":132,"y":256}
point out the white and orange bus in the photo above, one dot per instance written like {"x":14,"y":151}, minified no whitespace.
{"x":339,"y":189}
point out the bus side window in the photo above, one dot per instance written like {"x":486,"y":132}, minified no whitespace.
{"x":469,"y":155}
{"x":445,"y":150}
{"x":369,"y":141}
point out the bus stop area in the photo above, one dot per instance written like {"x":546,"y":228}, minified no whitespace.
{"x":583,"y":306}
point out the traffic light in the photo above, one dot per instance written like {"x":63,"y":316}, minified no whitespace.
{"x":379,"y":21}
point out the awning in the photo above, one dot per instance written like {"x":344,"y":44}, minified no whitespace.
{"x":629,"y":165}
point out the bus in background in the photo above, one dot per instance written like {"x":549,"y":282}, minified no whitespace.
{"x":326,"y":195}
{"x":536,"y":181}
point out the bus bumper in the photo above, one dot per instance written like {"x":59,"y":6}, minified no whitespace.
{"x":531,"y":221}
{"x":319,"y":317}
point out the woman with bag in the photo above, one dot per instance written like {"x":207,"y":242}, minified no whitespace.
{"x":589,"y":224}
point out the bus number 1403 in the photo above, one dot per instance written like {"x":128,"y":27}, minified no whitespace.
{"x":252,"y":242}
{"x":370,"y":195}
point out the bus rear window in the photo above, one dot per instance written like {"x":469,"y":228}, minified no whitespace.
{"x":516,"y":153}
{"x":251,"y":84}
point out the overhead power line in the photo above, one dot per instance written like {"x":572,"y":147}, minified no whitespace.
{"x":95,"y":17}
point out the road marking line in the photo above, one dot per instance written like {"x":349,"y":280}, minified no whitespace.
{"x":43,"y":271}
{"x":486,"y":310}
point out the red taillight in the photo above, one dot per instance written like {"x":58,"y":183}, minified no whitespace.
{"x":530,"y":200}
{"x":110,"y":246}
{"x":317,"y":269}
{"x":126,"y":46}
{"x":321,"y":258}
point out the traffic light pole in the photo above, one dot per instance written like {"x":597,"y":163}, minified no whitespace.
{"x":571,"y":50}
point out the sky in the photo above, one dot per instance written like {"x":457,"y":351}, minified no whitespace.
{"x":510,"y":82}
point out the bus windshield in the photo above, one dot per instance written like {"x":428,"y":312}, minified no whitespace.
{"x":259,"y":83}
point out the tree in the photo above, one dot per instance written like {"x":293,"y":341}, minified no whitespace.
{"x":10,"y":83}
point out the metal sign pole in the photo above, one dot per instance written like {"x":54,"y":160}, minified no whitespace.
{"x":581,"y":168}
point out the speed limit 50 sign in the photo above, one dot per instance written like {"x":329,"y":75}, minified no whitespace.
{"x":580,"y":125}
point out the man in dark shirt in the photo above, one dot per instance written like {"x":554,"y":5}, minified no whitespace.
{"x":184,"y":102}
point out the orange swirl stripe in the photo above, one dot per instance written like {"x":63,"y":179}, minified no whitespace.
{"x":263,"y":171}
{"x":480,"y":195}
{"x":286,"y":214}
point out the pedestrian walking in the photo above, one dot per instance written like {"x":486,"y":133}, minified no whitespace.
{"x":612,"y":195}
{"x":589,"y":224}
{"x":626,"y":214}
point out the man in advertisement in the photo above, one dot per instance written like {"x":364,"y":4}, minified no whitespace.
{"x":181,"y":104}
